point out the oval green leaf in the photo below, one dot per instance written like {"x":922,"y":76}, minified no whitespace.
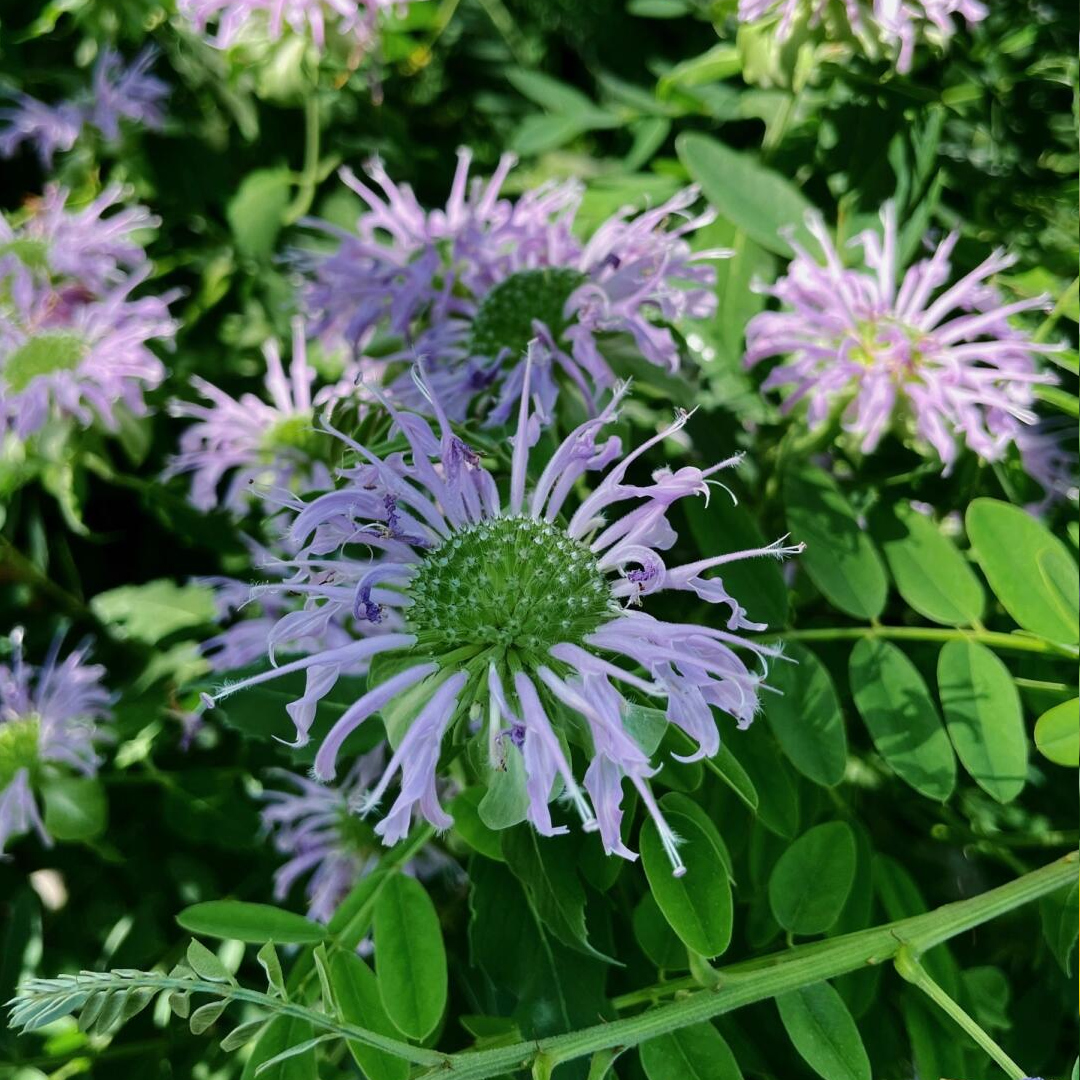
{"x":697,"y":905}
{"x":930,"y":573}
{"x":811,"y":881}
{"x":410,"y":957}
{"x":356,"y":990}
{"x":821,"y":1029}
{"x":840,"y":557}
{"x":805,"y":717}
{"x":893,"y":700}
{"x":1029,"y":569}
{"x":1057,"y":733}
{"x":75,"y":808}
{"x":697,"y":1052}
{"x":984,"y":717}
{"x":254,"y":923}
{"x":758,"y":200}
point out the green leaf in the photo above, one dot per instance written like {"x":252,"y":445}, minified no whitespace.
{"x":896,"y":705}
{"x":540,"y":133}
{"x":810,"y":882}
{"x":840,"y":557}
{"x":357,"y":992}
{"x":545,"y":866}
{"x":805,"y":717}
{"x":1057,"y":733}
{"x":697,"y":905}
{"x":1029,"y":569}
{"x":410,"y":957}
{"x":1057,"y":913}
{"x":205,"y":964}
{"x":930,"y":573}
{"x":255,"y":923}
{"x":556,"y":96}
{"x":722,"y":526}
{"x":242,"y":1034}
{"x":271,"y":965}
{"x":676,"y":805}
{"x":821,"y":1029}
{"x":506,"y":802}
{"x":281,"y":1033}
{"x":758,"y":200}
{"x":984,"y":717}
{"x":469,"y":825}
{"x":150,"y":613}
{"x":656,"y":938}
{"x":75,"y":807}
{"x":256,"y":212}
{"x":697,"y":1052}
{"x":205,"y":1015}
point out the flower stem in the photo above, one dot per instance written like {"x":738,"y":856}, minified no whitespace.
{"x":994,"y":639}
{"x":908,"y":966}
{"x":767,"y":977}
{"x":310,"y":176}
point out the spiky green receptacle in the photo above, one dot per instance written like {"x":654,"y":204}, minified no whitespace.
{"x":506,"y":314}
{"x":43,"y":354}
{"x":507,"y":585}
{"x":18,"y":748}
{"x":298,"y":433}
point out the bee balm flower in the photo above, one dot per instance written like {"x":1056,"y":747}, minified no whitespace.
{"x":895,"y":25}
{"x":73,"y":341}
{"x":48,"y":727}
{"x":469,"y":286}
{"x":518,"y":617}
{"x":942,"y":363}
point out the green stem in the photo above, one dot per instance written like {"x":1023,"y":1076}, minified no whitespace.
{"x":908,"y":966}
{"x":994,"y":639}
{"x":309,"y":178}
{"x":767,"y":977}
{"x":1048,"y":324}
{"x":22,"y":569}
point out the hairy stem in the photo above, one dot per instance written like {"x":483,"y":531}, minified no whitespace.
{"x":758,"y":980}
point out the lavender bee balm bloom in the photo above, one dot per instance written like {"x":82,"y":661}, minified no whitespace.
{"x":469,"y":286}
{"x":49,"y":718}
{"x":946,"y":367}
{"x":519,"y":618}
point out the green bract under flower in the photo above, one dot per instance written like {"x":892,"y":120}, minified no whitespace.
{"x":43,"y":354}
{"x":508,"y":584}
{"x":505,"y":317}
{"x":18,"y":748}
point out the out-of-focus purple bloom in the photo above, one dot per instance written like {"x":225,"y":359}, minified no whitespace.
{"x":1048,"y":452}
{"x":317,"y":828}
{"x":48,"y":128}
{"x":896,"y":351}
{"x":354,"y":20}
{"x":468,"y":286}
{"x":252,"y":441}
{"x":897,"y":25}
{"x":118,"y":93}
{"x":49,"y":717}
{"x":515,"y":611}
{"x":126,"y":93}
{"x":73,"y":340}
